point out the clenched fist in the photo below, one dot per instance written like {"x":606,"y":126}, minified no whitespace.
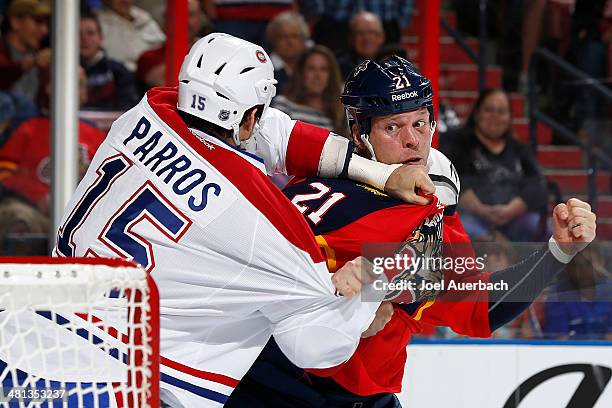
{"x":350,"y":279}
{"x":407,"y":181}
{"x":573,"y":225}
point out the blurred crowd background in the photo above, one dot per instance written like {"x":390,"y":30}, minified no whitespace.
{"x":509,"y":181}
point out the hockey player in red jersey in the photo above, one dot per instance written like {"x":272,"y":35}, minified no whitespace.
{"x":391,"y":115}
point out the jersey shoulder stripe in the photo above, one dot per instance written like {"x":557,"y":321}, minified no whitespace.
{"x":248,"y":179}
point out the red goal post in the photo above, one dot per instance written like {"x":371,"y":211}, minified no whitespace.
{"x":79,"y":329}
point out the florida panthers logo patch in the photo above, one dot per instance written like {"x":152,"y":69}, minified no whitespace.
{"x":424,"y":246}
{"x":361,"y":67}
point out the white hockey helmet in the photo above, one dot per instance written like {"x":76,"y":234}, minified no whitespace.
{"x":222,"y":77}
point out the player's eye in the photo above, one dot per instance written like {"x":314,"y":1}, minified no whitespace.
{"x":391,"y":128}
{"x":419,"y":124}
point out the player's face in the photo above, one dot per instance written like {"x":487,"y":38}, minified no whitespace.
{"x":402,"y":138}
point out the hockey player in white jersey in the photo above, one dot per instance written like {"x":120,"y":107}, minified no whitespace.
{"x":233,"y":259}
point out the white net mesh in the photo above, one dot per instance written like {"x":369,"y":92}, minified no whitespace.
{"x":76,"y":335}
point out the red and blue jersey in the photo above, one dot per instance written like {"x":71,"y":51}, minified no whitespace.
{"x":344,"y":216}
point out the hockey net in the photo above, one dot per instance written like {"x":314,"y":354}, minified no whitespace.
{"x":80,"y":332}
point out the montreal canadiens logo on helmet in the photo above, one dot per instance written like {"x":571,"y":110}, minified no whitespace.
{"x":260,"y":56}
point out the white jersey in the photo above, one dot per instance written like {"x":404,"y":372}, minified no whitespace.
{"x":234,"y":261}
{"x":445,"y":178}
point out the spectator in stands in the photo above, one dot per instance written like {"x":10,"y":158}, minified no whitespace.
{"x":22,"y":109}
{"x":110,"y":85}
{"x":23,"y":29}
{"x":588,"y":52}
{"x":151,"y":70}
{"x":246,"y":19}
{"x":331,"y":19}
{"x":502,"y":187}
{"x":607,"y":35}
{"x":532,"y":29}
{"x":14,"y":109}
{"x":29,"y":175}
{"x":580,"y":305}
{"x":313,"y":93}
{"x":288,"y":36}
{"x":499,"y":253}
{"x":7,"y":113}
{"x":128,"y":31}
{"x":19,"y":221}
{"x":366,"y":39}
{"x":91,"y":6}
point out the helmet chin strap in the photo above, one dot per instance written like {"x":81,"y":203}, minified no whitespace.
{"x":433,"y":130}
{"x":365,"y":138}
{"x":236,"y":134}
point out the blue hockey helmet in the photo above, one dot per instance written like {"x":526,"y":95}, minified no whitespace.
{"x":392,"y":85}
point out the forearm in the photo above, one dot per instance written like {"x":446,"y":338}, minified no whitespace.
{"x":340,"y":322}
{"x":518,"y":206}
{"x":300,"y":149}
{"x":524,"y":282}
{"x":469,"y":201}
{"x":335,"y":158}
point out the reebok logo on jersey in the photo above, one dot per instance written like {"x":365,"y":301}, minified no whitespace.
{"x":405,"y":95}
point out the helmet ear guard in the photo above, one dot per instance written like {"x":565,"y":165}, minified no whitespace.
{"x":266,"y":90}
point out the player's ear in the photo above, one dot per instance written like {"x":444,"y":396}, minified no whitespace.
{"x":248,"y":121}
{"x":355,"y":137}
{"x":247,"y":124}
{"x":360,"y":148}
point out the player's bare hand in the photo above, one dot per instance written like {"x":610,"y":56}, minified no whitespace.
{"x":407,"y":181}
{"x":353,"y":276}
{"x":383,"y":315}
{"x":574,"y":225}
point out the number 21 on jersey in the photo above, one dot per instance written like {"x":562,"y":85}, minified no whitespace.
{"x":316,"y":215}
